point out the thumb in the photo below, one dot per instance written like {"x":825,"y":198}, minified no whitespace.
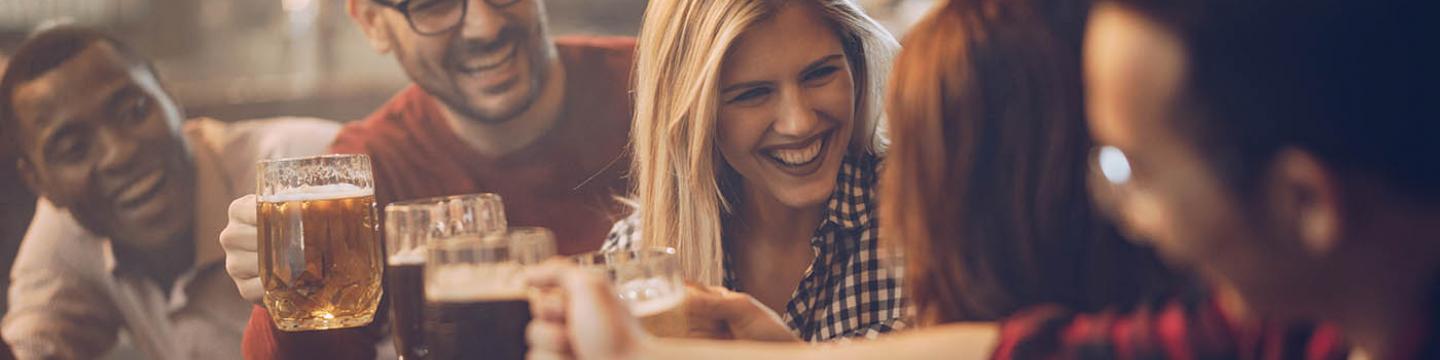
{"x":243,"y":209}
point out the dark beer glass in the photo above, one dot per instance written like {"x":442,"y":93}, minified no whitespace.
{"x":409,"y":225}
{"x":476,"y":301}
{"x":319,"y":242}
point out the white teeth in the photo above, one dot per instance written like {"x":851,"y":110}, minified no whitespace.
{"x":490,"y":60}
{"x":798,"y":156}
{"x":138,"y":190}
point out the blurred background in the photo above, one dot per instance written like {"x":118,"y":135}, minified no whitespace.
{"x":243,"y":59}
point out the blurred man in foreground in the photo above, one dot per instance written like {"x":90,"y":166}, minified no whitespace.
{"x":1286,"y":147}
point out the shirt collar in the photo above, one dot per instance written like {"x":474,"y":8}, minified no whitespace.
{"x":851,"y":206}
{"x":214,"y":189}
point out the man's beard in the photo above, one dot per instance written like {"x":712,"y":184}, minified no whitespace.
{"x":536,"y":77}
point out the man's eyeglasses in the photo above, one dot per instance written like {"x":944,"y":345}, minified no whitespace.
{"x":434,"y":17}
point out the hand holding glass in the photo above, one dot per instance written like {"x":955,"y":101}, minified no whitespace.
{"x":319,"y":242}
{"x":650,"y":283}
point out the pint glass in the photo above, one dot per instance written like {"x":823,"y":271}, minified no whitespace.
{"x":319,"y":242}
{"x":476,"y":301}
{"x":409,"y":226}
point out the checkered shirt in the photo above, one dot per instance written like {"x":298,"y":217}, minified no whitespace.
{"x":852,"y":289}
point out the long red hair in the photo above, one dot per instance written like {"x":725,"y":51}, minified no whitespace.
{"x":984,"y":186}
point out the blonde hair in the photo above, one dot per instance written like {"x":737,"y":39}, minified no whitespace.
{"x":682,"y":46}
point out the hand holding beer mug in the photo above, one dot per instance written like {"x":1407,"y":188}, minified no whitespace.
{"x":650,"y":283}
{"x":319,"y":242}
{"x":409,"y":226}
{"x":242,"y":249}
{"x":587,"y":322}
{"x":743,"y":316}
{"x":477,"y":304}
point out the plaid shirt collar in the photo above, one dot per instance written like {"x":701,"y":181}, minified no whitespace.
{"x":850,"y":208}
{"x":851,"y":204}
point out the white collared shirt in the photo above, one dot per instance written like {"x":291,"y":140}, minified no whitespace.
{"x":69,"y":299}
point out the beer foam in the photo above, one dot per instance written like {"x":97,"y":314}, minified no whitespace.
{"x":415,"y":256}
{"x":322,"y":192}
{"x":651,"y":296}
{"x":470,"y":283}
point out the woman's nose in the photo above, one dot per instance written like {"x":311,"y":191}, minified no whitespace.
{"x":796,"y":117}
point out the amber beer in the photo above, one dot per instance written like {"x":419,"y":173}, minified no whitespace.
{"x":320,"y":252}
{"x":650,"y":283}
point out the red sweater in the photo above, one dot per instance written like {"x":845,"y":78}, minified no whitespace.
{"x":565,"y":181}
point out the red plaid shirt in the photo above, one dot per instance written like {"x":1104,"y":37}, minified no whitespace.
{"x":1186,"y":328}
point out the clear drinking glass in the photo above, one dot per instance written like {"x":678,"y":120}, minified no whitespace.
{"x":319,"y":241}
{"x":650,"y":283}
{"x":409,"y":226}
{"x":476,"y":301}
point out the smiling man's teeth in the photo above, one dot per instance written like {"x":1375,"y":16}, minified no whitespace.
{"x":141,"y":189}
{"x":798,"y":156}
{"x":487,"y":61}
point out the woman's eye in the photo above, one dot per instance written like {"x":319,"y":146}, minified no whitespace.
{"x":750,"y":95}
{"x":820,"y":75}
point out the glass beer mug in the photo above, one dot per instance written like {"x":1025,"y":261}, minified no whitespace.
{"x":476,"y":302}
{"x":409,"y":226}
{"x":650,"y":283}
{"x":320,"y":252}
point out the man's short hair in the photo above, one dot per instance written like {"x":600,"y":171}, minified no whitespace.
{"x":1350,"y":81}
{"x":42,"y":52}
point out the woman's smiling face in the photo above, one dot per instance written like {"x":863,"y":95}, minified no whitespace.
{"x":787,"y":107}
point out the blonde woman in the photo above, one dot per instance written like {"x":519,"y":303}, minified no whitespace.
{"x":756,"y":141}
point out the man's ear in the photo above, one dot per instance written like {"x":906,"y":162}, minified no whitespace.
{"x":371,"y":18}
{"x":28,"y":174}
{"x":1305,"y":196}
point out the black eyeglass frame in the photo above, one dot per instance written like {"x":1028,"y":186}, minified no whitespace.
{"x":404,"y":8}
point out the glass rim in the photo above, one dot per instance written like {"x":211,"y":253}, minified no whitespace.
{"x":526,"y":230}
{"x":650,"y":250}
{"x":311,"y":157}
{"x":641,"y":254}
{"x":496,"y":239}
{"x":437,"y":200}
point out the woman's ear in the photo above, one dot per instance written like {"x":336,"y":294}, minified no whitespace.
{"x":1305,"y":198}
